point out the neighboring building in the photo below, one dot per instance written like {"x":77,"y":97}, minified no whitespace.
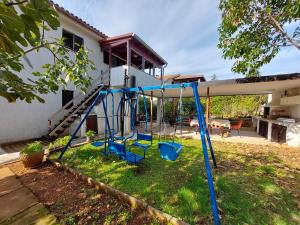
{"x":180,"y":78}
{"x":113,"y":57}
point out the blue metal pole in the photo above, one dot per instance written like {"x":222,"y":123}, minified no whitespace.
{"x":150,"y":88}
{"x":210,"y":145}
{"x":79,"y":126}
{"x":207,"y":135}
{"x":145,"y":107}
{"x":213,"y":201}
{"x":106,"y":118}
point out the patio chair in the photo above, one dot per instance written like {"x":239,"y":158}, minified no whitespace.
{"x":236,"y":125}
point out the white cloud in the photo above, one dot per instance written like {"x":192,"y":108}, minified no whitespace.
{"x":184,"y":32}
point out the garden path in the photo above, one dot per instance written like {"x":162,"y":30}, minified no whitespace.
{"x":18,"y":205}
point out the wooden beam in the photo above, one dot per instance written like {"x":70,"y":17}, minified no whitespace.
{"x":146,"y":55}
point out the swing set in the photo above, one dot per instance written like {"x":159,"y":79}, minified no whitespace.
{"x":169,"y":150}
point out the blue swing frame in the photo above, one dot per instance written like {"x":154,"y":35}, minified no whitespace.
{"x":142,"y":137}
{"x":203,"y":131}
{"x":112,"y":147}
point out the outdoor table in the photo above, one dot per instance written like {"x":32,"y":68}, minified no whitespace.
{"x":221,"y":124}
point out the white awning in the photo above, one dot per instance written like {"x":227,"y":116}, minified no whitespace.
{"x":242,"y":86}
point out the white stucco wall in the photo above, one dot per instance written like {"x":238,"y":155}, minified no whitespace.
{"x":20,"y":120}
{"x":98,"y":110}
{"x":142,"y":78}
{"x":295,"y":111}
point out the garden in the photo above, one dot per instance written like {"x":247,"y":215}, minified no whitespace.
{"x":255,"y":184}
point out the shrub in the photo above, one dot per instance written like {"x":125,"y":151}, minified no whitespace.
{"x":90,"y":133}
{"x":60,"y":142}
{"x":33,"y":148}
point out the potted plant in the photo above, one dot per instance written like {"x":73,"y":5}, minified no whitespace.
{"x":32,"y":155}
{"x":89,"y":135}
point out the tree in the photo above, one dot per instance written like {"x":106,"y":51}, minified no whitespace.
{"x":22,"y":30}
{"x":252,"y":32}
{"x":214,"y":77}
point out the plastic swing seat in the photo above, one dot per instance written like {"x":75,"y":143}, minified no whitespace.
{"x":98,"y":143}
{"x":119,"y":138}
{"x":120,"y":150}
{"x":143,"y":137}
{"x":169,"y":150}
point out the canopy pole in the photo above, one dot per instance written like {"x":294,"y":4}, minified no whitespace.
{"x":207,"y":108}
{"x":151,"y":112}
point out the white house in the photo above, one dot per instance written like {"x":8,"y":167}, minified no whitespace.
{"x":114,"y":57}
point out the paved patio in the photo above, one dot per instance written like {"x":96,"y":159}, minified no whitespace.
{"x":18,"y":205}
{"x":247,"y":135}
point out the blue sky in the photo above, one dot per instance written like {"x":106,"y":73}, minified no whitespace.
{"x":184,"y":32}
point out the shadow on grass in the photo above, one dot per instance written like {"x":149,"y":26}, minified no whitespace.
{"x":246,"y":185}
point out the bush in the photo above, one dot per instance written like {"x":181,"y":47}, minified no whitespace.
{"x":32,"y":148}
{"x":60,"y":142}
{"x":90,"y":133}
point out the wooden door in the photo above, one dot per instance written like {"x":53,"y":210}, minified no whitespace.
{"x":92,"y":123}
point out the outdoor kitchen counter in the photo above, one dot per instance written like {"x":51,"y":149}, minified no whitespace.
{"x":292,"y":130}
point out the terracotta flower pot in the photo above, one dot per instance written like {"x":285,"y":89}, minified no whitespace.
{"x":32,"y":160}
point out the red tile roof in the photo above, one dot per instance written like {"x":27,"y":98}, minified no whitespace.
{"x":78,"y":20}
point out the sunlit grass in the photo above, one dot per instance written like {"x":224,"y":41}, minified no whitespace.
{"x":246,"y":183}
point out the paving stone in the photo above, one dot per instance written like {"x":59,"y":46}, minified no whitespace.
{"x":37,"y":215}
{"x":15,"y":202}
{"x":6,"y":172}
{"x":9,"y":184}
{"x":9,"y":157}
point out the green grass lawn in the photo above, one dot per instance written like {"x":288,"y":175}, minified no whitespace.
{"x":254,"y":184}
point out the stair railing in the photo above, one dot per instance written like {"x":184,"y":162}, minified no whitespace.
{"x":67,"y":109}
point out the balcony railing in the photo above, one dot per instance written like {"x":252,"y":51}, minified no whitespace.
{"x":142,"y":78}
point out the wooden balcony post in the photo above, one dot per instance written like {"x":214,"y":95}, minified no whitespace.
{"x":110,"y":58}
{"x":110,"y":64}
{"x":143,"y":63}
{"x":128,"y":54}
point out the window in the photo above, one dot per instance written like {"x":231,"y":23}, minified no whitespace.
{"x":67,"y":96}
{"x":72,"y":41}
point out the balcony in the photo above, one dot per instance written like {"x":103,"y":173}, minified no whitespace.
{"x":142,"y":78}
{"x":129,"y":54}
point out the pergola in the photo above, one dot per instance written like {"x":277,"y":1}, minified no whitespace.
{"x":241,"y":86}
{"x":129,"y":49}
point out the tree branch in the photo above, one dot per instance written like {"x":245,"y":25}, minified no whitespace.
{"x":280,"y":29}
{"x":15,"y":3}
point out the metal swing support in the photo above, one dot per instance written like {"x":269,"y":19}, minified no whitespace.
{"x":204,"y":134}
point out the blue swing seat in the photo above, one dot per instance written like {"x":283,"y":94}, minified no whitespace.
{"x":143,"y":137}
{"x":120,"y":150}
{"x":98,"y":143}
{"x":169,"y":150}
{"x":144,"y":146}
